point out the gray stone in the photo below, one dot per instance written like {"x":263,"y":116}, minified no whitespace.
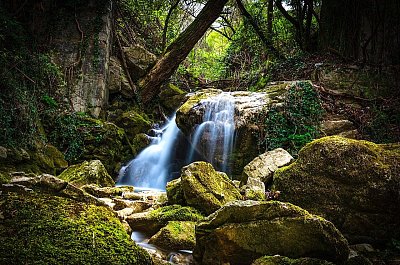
{"x":264,"y":165}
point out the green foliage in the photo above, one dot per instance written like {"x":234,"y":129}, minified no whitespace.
{"x":26,"y":79}
{"x":384,"y":125}
{"x":44,"y":229}
{"x":294,"y":124}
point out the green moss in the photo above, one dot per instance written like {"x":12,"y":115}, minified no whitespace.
{"x":176,"y":213}
{"x":206,"y":189}
{"x":351,"y":183}
{"x":88,"y":172}
{"x":175,"y":235}
{"x":195,"y":99}
{"x":175,"y":192}
{"x":41,"y":229}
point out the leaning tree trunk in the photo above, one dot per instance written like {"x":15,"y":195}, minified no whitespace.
{"x":178,"y":50}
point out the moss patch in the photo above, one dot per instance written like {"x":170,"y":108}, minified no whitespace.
{"x":176,"y":213}
{"x":42,"y":229}
{"x":175,"y":235}
{"x":88,"y":172}
{"x":352,"y":183}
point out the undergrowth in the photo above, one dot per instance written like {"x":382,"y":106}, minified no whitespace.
{"x":294,"y":123}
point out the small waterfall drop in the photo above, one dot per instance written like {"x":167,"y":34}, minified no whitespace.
{"x":150,"y":168}
{"x":215,"y":135}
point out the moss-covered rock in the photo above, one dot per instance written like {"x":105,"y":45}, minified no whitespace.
{"x":152,"y":221}
{"x":171,"y":97}
{"x":175,"y":192}
{"x":140,"y":142}
{"x":279,"y":260}
{"x":52,"y":185}
{"x":352,"y":183}
{"x":42,"y":158}
{"x":243,"y":231}
{"x":133,"y":123}
{"x":88,"y":172}
{"x":38,"y":228}
{"x":206,"y":189}
{"x":175,"y":235}
{"x":106,"y":142}
{"x":253,"y":190}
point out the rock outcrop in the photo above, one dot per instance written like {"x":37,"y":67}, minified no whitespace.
{"x":247,"y":106}
{"x":88,"y":172}
{"x":354,"y":184}
{"x":243,"y":231}
{"x":206,"y":189}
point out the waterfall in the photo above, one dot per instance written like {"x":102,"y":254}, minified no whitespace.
{"x":213,"y":139}
{"x":215,"y":135}
{"x":150,"y":168}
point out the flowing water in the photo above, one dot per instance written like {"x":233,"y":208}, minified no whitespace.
{"x":213,"y":139}
{"x":150,"y":168}
{"x":215,"y":135}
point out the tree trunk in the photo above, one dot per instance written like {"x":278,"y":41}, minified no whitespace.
{"x":270,"y":14}
{"x":178,"y":50}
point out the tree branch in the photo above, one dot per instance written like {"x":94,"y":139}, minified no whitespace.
{"x":258,"y":30}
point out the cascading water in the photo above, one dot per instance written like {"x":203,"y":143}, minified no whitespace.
{"x":150,"y":168}
{"x":215,"y":135}
{"x":213,"y":139}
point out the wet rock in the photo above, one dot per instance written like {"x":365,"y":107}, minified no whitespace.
{"x":263,"y":166}
{"x":123,"y":213}
{"x":152,"y":221}
{"x":175,"y":235}
{"x":133,"y":196}
{"x":88,"y":172}
{"x":175,"y":192}
{"x":206,"y":189}
{"x":106,"y":192}
{"x":243,"y":231}
{"x":352,"y":183}
{"x":280,"y":260}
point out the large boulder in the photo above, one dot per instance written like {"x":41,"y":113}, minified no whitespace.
{"x":152,"y":221}
{"x":263,"y":166}
{"x":243,"y":231}
{"x":39,"y":228}
{"x":206,"y":189}
{"x":175,"y":235}
{"x":88,"y":172}
{"x":354,"y":184}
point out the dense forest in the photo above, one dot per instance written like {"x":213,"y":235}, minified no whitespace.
{"x":131,"y":130}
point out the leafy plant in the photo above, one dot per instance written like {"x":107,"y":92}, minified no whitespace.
{"x":295,"y":123}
